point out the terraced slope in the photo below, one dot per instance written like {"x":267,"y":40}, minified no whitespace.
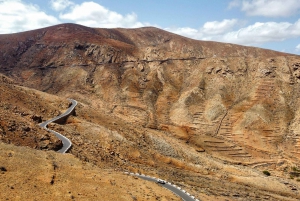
{"x":153,"y":102}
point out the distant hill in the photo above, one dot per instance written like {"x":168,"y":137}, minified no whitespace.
{"x":208,"y":116}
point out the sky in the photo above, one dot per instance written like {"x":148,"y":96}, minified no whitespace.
{"x":271,"y":24}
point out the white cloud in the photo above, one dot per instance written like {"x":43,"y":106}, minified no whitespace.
{"x":298,"y":48}
{"x":260,"y":33}
{"x":16,"y":16}
{"x":59,"y":5}
{"x":234,"y":3}
{"x":216,"y":27}
{"x":257,"y":33}
{"x":267,"y":8}
{"x":208,"y":31}
{"x":95,"y":15}
{"x":186,"y":31}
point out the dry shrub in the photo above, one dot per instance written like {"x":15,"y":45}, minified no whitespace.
{"x":72,"y":120}
{"x":134,"y":154}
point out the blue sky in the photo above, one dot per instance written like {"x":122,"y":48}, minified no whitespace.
{"x":271,"y":24}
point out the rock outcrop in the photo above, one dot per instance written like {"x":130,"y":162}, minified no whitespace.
{"x":155,"y":102}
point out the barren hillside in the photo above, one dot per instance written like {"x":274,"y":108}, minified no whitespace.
{"x":208,"y":116}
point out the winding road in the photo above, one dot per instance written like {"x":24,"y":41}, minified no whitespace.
{"x":67,"y":145}
{"x":175,"y":189}
{"x":66,"y":142}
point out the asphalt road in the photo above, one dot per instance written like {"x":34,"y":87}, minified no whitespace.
{"x":66,"y":142}
{"x":175,"y":189}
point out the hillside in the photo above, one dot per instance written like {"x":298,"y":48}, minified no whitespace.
{"x":33,"y":175}
{"x":208,"y":116}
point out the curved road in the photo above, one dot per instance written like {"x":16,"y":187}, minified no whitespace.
{"x":175,"y":189}
{"x":66,"y":142}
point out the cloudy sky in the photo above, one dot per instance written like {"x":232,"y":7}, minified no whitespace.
{"x":272,"y":24}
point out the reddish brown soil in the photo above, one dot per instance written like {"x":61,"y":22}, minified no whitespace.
{"x":208,"y":116}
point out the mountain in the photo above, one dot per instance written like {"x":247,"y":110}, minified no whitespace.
{"x":208,"y":116}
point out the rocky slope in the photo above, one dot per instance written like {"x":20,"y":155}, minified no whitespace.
{"x":27,"y":174}
{"x":192,"y":112}
{"x":21,"y":110}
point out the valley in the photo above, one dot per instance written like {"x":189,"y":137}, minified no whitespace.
{"x":212,"y":118}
